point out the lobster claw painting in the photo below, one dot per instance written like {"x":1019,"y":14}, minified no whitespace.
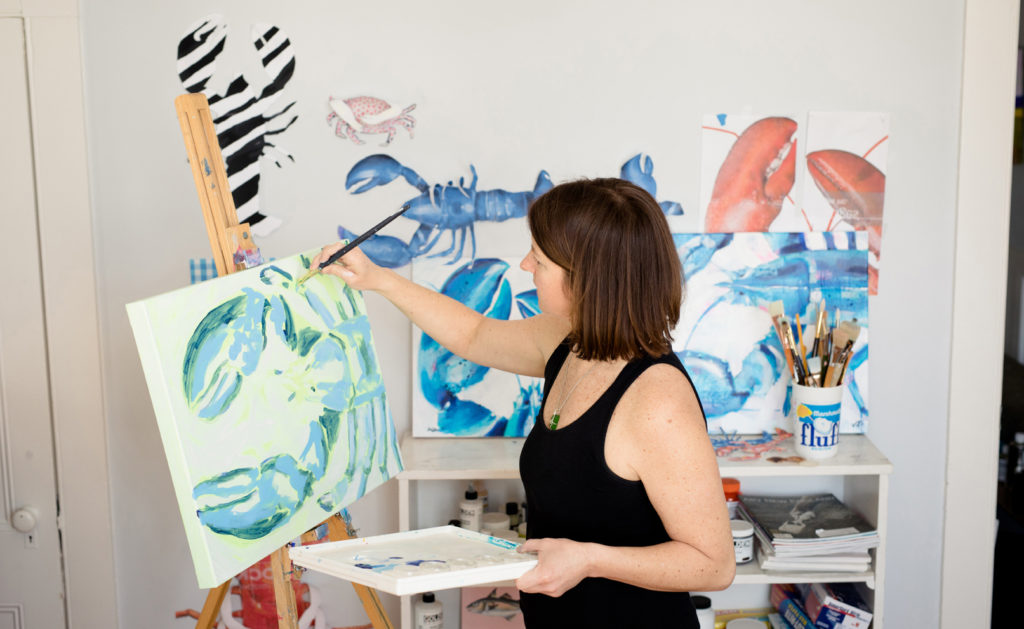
{"x":270,"y":404}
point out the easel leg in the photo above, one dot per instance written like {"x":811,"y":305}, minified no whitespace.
{"x":287,"y":612}
{"x":208,"y":617}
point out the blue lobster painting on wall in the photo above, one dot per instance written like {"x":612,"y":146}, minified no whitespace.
{"x":454,"y":209}
{"x":452,"y":396}
{"x":725,"y":336}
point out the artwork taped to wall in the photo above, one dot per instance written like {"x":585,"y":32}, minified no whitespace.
{"x":725,"y":336}
{"x":368,"y":115}
{"x":270,"y":404}
{"x":454,"y":397}
{"x":449,"y":214}
{"x":245,"y":121}
{"x":748,"y":167}
{"x":844,"y":183}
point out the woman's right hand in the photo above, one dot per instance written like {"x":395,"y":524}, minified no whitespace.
{"x":357,"y":270}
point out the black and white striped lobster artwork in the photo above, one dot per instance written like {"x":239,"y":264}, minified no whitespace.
{"x":243,"y":120}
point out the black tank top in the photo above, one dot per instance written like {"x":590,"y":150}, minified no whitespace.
{"x":571,"y":493}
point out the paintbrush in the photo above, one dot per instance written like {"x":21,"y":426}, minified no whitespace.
{"x":799,"y":374}
{"x":844,"y":359}
{"x":352,"y":245}
{"x":819,"y":331}
{"x":814,"y":370}
{"x":842,"y":341}
{"x":778,"y":315}
{"x":800,"y":335}
{"x":803,"y":350}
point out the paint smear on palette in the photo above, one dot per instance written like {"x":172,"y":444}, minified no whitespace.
{"x":454,"y":397}
{"x":748,"y":168}
{"x":271,"y":407}
{"x":418,"y":561}
{"x":725,"y":336}
{"x":844,"y":186}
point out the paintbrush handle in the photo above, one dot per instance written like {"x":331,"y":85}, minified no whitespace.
{"x":337,"y":255}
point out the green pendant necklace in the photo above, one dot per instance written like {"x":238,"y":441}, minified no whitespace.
{"x":558,"y":411}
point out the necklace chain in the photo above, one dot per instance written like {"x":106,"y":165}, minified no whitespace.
{"x":558,"y":411}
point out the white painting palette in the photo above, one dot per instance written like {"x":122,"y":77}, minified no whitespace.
{"x":418,"y":561}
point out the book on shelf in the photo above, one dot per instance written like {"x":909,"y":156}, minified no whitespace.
{"x":814,"y":524}
{"x":786,"y":598}
{"x":841,"y":562}
{"x":835,"y":605}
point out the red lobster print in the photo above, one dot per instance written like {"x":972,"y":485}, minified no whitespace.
{"x":754,"y":179}
{"x":856,"y":191}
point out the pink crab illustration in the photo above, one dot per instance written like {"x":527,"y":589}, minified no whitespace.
{"x":366,"y":114}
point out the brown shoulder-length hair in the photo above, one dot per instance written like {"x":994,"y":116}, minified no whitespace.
{"x":623,"y":273}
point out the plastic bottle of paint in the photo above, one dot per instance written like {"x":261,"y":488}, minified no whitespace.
{"x":512,"y":511}
{"x":742,"y":540}
{"x":705,"y":615}
{"x":731,"y":487}
{"x":428,"y":613}
{"x":470,"y":510}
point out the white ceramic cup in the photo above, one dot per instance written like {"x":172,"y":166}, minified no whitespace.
{"x":815,"y":415}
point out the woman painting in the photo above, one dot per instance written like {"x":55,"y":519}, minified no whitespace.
{"x":627,"y":513}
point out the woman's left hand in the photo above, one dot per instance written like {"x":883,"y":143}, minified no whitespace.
{"x":561,"y":564}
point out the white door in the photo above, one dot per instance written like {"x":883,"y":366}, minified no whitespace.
{"x":31,"y":572}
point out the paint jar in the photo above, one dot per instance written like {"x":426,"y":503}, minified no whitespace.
{"x":742,"y":540}
{"x":705,"y":615}
{"x":494,"y":522}
{"x":731,"y":487}
{"x":470,"y":510}
{"x":428,"y":613}
{"x":815,"y":412}
{"x":522,"y":530}
{"x":512,"y":511}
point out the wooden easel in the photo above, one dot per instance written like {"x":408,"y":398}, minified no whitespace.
{"x":227,"y":237}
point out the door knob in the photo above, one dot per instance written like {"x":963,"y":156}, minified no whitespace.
{"x":24,"y":519}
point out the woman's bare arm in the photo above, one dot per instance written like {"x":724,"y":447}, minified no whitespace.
{"x":520,"y":346}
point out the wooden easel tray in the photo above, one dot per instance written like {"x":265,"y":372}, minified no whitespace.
{"x":418,"y":561}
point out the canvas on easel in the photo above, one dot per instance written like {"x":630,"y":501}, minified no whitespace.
{"x":271,"y":407}
{"x":233,"y":251}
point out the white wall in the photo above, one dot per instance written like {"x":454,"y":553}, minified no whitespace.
{"x":575,"y":88}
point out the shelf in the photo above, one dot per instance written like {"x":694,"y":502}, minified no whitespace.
{"x":447,"y":458}
{"x":751,"y":573}
{"x":856,"y":456}
{"x":864,"y":467}
{"x":454,"y":459}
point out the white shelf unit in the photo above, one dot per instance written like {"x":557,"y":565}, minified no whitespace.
{"x":863,"y":470}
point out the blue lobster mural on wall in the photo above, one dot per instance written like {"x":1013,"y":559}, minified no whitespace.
{"x":454,"y":209}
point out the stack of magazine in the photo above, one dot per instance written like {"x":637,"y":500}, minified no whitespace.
{"x":809,"y":532}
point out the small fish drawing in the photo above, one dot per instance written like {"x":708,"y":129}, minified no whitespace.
{"x":494,"y":605}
